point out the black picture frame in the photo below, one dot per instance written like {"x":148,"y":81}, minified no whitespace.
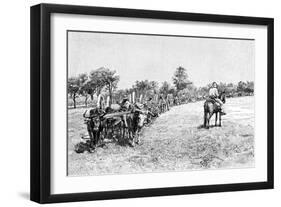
{"x":41,"y":98}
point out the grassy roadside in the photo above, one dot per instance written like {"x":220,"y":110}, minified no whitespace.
{"x":174,"y":142}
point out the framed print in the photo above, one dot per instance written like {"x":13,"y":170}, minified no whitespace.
{"x":132,"y":103}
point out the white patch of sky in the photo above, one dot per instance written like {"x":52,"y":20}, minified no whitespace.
{"x":141,"y":57}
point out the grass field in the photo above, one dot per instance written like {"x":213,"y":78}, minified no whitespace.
{"x":174,"y":142}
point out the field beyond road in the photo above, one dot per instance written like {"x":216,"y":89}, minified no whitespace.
{"x":174,"y":142}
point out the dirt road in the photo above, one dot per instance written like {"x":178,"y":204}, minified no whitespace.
{"x":174,"y":142}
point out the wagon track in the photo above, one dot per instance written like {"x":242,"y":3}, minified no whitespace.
{"x":174,"y":142}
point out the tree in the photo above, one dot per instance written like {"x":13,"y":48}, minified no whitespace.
{"x":203,"y":92}
{"x":120,"y":94}
{"x":142,"y":86}
{"x":249,"y":87}
{"x":193,"y":92}
{"x":146,"y":88}
{"x":73,"y":89}
{"x":165,"y":88}
{"x":184,"y":95}
{"x":180,"y":78}
{"x":230,"y":89}
{"x":95,"y":81}
{"x":104,"y":77}
{"x":173,"y":91}
{"x":154,"y":86}
{"x":241,"y":87}
{"x":84,"y":89}
{"x":91,"y":86}
{"x":222,"y":87}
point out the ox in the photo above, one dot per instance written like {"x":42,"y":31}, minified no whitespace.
{"x":135,"y":121}
{"x":94,"y":125}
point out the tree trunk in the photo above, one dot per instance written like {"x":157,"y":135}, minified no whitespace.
{"x":74,"y":101}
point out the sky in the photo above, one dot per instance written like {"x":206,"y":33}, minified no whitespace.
{"x":155,"y":58}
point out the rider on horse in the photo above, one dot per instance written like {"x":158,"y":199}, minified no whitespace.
{"x":214,"y":95}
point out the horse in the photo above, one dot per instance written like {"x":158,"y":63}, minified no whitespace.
{"x":211,"y":107}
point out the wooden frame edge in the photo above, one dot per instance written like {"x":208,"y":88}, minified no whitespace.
{"x":40,"y":103}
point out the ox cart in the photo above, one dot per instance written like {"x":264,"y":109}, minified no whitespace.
{"x":118,"y":126}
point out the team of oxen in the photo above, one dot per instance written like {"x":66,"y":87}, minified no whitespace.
{"x":122,"y":122}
